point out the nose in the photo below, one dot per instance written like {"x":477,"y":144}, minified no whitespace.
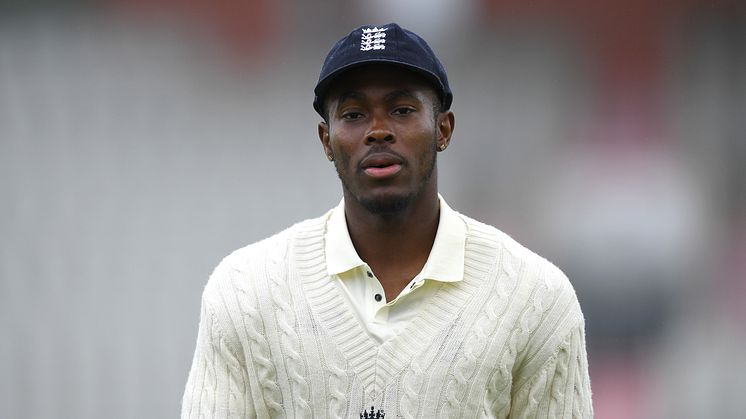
{"x":379,"y":131}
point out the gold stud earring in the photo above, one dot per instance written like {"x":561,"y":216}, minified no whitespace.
{"x":330,"y":156}
{"x":442,"y":147}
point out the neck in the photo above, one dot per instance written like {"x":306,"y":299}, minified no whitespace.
{"x":395,"y":245}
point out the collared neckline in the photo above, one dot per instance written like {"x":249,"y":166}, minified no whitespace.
{"x":445,"y":262}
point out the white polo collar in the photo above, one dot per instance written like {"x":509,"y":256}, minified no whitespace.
{"x":445,"y":262}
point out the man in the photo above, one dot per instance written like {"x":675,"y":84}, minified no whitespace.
{"x":391,"y":303}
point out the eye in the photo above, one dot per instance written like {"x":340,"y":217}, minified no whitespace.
{"x":403,"y":110}
{"x":352,"y":115}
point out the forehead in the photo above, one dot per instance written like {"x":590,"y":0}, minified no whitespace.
{"x":379,"y":77}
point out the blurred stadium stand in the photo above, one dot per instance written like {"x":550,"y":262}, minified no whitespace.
{"x":142,"y":141}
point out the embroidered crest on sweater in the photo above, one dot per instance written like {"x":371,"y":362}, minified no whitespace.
{"x":373,"y":39}
{"x":373,"y":414}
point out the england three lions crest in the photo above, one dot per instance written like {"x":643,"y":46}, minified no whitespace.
{"x":373,"y":39}
{"x":373,"y":414}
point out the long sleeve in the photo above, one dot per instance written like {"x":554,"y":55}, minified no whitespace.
{"x":217,"y":386}
{"x":560,"y":388}
{"x":550,"y":377}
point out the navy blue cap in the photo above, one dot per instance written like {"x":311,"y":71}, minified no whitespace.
{"x":389,"y":44}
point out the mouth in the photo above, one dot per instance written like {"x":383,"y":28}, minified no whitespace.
{"x":381,"y":165}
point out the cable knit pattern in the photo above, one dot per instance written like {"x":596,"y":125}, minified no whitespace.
{"x":556,"y":389}
{"x":411,"y":387}
{"x":277,"y":339}
{"x":309,"y":258}
{"x":216,"y":370}
{"x":258,"y":347}
{"x":286,"y":320}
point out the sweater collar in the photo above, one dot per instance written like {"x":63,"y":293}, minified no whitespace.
{"x":445,"y":262}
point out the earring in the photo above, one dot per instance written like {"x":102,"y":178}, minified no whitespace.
{"x":330,"y":156}
{"x":442,"y":147}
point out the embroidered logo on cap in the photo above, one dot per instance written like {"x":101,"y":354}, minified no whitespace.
{"x":373,"y":38}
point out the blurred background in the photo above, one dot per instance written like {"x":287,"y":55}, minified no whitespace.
{"x":143,"y":140}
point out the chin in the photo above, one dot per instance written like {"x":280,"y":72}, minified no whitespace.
{"x":387,"y":203}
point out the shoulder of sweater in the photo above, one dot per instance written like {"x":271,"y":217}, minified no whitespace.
{"x":513,"y":253}
{"x":522,"y":263}
{"x":253,"y":257}
{"x":550,"y":311}
{"x":247,"y":257}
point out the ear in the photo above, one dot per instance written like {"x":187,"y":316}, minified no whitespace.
{"x":324,"y":138}
{"x":446,"y":123}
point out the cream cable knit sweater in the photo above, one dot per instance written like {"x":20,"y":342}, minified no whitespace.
{"x":277,"y":340}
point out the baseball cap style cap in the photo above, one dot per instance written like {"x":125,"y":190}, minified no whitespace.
{"x":388,"y":44}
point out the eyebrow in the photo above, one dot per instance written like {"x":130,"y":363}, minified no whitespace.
{"x":344,"y":96}
{"x":396,"y":94}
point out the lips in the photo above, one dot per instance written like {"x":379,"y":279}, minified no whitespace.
{"x":381,"y":165}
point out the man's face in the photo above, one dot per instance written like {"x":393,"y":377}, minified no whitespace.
{"x":383,"y":134}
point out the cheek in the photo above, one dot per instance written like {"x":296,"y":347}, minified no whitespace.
{"x":428,"y":142}
{"x":341,"y":160}
{"x":342,"y":154}
{"x":343,"y":145}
